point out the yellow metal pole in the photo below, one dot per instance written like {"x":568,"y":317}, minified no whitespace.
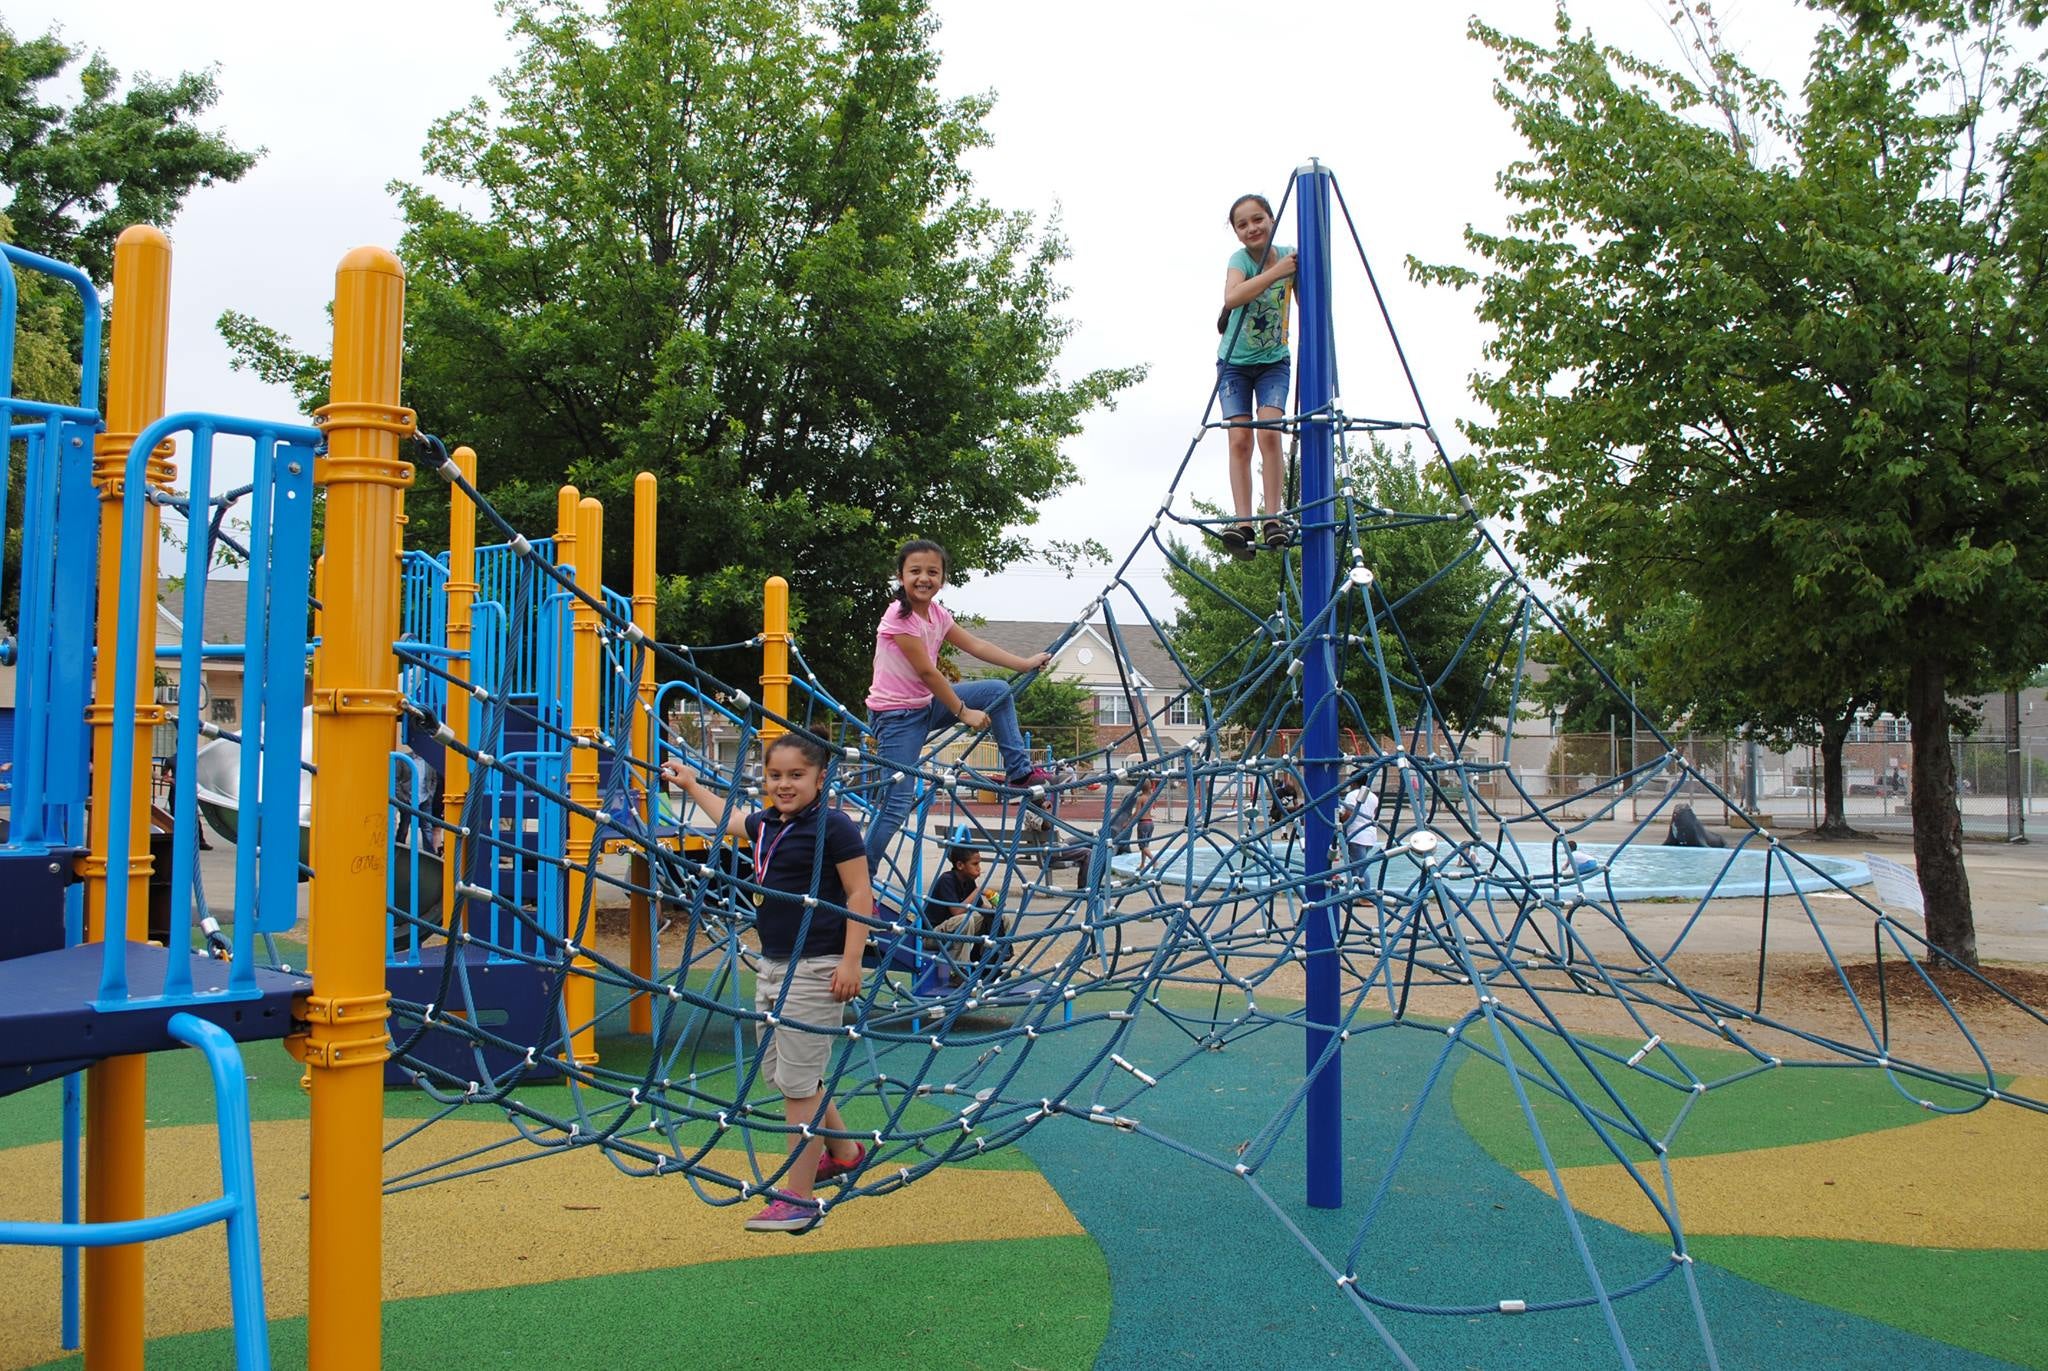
{"x":462,"y":590}
{"x":579,"y":996}
{"x":565,"y":526}
{"x":640,"y":933}
{"x":116,"y":1102}
{"x":774,"y":655}
{"x":355,"y":711}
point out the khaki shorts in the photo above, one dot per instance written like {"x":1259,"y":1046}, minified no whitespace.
{"x":793,"y":1060}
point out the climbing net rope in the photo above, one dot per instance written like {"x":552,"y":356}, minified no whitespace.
{"x":1470,"y":922}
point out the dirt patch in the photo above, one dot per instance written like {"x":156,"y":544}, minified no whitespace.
{"x":1801,"y":996}
{"x":1904,"y":986}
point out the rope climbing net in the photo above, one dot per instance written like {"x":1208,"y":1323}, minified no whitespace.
{"x":1469,"y":920}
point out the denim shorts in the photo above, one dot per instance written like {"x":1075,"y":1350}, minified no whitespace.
{"x":1236,"y":385}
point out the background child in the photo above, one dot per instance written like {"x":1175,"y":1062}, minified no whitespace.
{"x":1128,"y":825}
{"x":822,"y":973}
{"x":960,"y":903}
{"x":910,"y":696}
{"x":1253,"y":369}
{"x":1360,"y":813}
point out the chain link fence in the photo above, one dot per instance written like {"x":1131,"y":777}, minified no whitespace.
{"x":2002,"y":785}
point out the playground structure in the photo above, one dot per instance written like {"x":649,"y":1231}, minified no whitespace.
{"x":539,"y":689}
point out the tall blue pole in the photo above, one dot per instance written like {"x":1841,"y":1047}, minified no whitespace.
{"x":1316,"y":388}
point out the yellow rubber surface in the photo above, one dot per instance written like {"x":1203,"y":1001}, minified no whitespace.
{"x":1975,"y":1180}
{"x":554,"y":1219}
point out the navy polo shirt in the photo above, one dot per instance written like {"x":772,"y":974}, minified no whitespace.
{"x":784,"y":852}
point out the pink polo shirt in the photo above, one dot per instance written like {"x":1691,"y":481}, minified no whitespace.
{"x":896,"y":685}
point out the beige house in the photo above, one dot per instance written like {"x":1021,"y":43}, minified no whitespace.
{"x":220,"y":686}
{"x":1139,"y":684}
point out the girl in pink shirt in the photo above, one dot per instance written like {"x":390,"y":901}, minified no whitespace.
{"x":911,"y":697}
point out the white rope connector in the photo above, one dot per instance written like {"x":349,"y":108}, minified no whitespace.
{"x":1141,"y":1075}
{"x":1514,"y":1306}
{"x":521,"y":546}
{"x":1646,"y":1049}
{"x":449,"y":471}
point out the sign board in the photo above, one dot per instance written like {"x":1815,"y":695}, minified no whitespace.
{"x":1897,"y":886}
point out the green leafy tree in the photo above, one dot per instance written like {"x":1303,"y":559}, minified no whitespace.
{"x":45,"y":368}
{"x":735,"y":244}
{"x":1057,"y":711}
{"x":1786,"y":361}
{"x":79,"y":167}
{"x":1411,"y":532}
{"x":83,"y":170}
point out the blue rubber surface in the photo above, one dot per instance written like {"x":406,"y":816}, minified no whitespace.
{"x":1203,"y":1275}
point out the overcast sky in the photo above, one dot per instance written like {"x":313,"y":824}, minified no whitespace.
{"x":1137,"y":123}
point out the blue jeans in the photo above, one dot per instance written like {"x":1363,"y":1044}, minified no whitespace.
{"x":900,"y":737}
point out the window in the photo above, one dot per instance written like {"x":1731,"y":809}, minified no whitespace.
{"x":222,"y":710}
{"x":1181,"y":713}
{"x":1886,"y":728}
{"x":1112,"y":708}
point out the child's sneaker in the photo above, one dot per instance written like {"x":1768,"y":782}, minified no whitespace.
{"x":784,"y":1216}
{"x":1038,"y":775}
{"x":830,"y":1166}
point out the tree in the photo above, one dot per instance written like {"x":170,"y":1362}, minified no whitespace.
{"x":1058,"y":711}
{"x":82,"y":172}
{"x":1788,"y":361}
{"x":1410,"y":529}
{"x":735,"y":244}
{"x":45,"y":365}
{"x":79,"y":173}
{"x":1055,"y":702}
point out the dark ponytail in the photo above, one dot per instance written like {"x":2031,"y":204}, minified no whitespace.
{"x":904,"y":553}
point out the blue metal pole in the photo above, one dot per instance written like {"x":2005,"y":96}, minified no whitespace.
{"x":1315,"y":388}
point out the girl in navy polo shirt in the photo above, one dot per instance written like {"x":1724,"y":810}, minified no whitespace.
{"x":810,"y":955}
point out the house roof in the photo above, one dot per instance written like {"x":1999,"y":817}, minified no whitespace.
{"x":1142,"y":649}
{"x":227,"y":608}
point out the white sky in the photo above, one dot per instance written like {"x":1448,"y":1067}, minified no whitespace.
{"x":1137,"y":122}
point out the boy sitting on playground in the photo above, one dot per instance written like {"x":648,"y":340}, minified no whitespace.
{"x":959,"y":903}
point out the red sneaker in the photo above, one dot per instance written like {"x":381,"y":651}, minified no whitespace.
{"x":830,"y":1166}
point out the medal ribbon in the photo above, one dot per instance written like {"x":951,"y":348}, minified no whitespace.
{"x":768,"y":846}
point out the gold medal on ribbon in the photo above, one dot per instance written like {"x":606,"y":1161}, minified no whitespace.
{"x":760,"y":898}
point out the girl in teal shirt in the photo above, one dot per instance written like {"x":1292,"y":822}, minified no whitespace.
{"x":1253,"y":369}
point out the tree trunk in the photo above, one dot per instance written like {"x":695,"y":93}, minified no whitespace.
{"x":1834,"y":818}
{"x":1937,"y":820}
